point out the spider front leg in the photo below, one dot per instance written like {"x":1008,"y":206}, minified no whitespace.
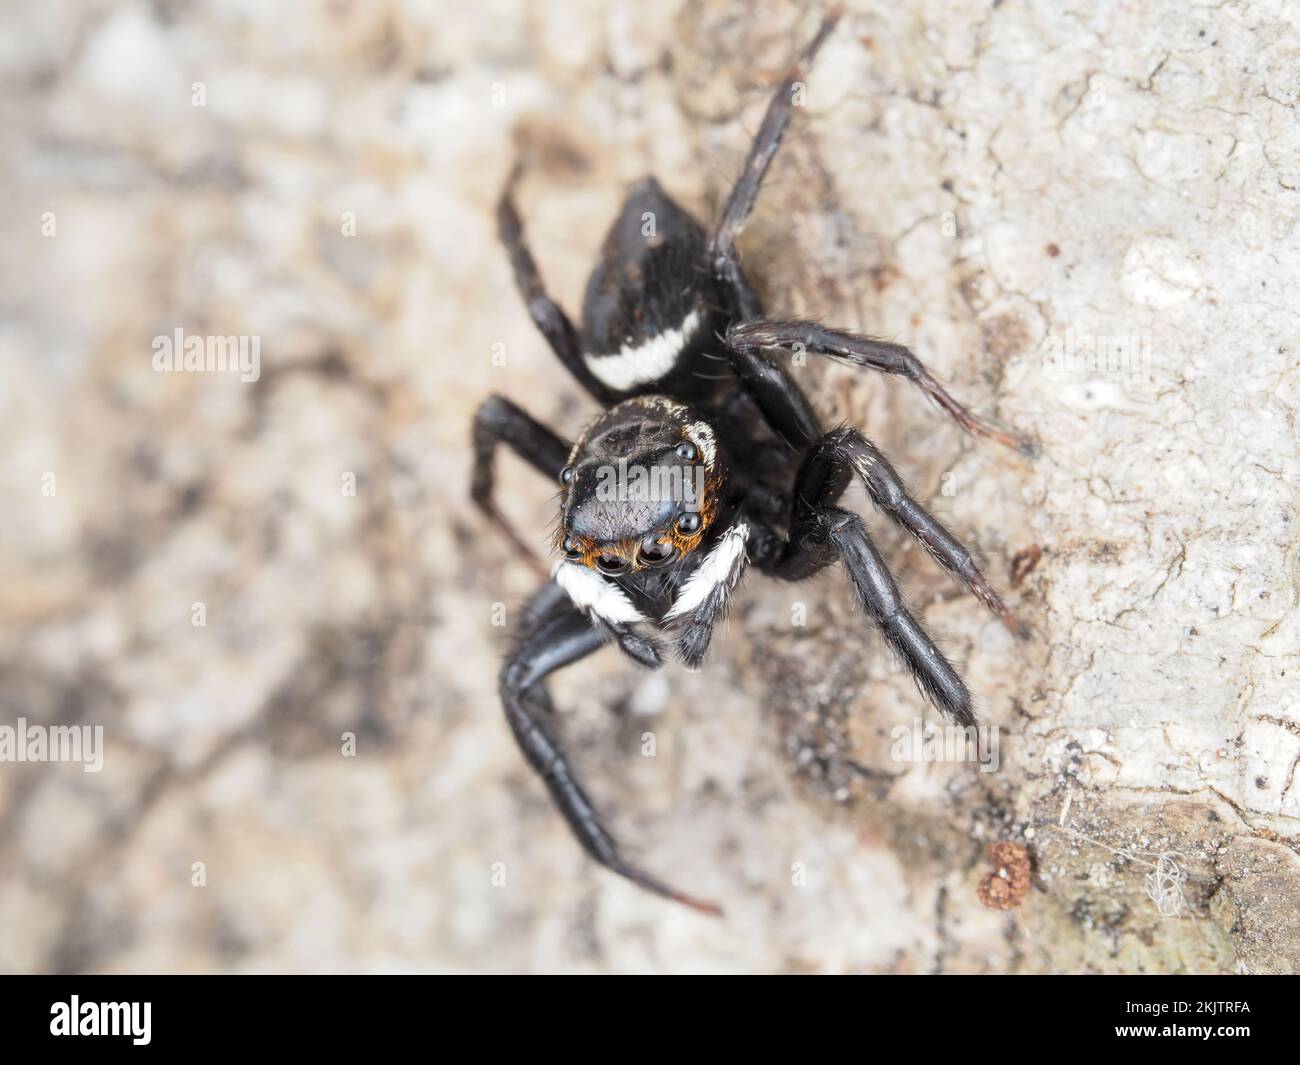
{"x":559,"y":640}
{"x":830,"y":461}
{"x":547,"y":315}
{"x":822,"y":535}
{"x":554,"y":598}
{"x":788,"y":337}
{"x":498,"y":421}
{"x":722,"y":245}
{"x":825,"y":473}
{"x":549,"y":599}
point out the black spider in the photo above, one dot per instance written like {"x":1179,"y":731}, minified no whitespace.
{"x":735,"y":466}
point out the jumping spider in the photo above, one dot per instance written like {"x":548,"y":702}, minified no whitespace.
{"x":675,"y":348}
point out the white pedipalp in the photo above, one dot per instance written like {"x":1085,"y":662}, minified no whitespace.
{"x":720,"y":568}
{"x":593,"y":594}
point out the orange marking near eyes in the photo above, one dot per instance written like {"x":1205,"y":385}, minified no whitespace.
{"x":626,"y":549}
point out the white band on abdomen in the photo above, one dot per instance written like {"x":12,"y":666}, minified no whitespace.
{"x":630,"y":367}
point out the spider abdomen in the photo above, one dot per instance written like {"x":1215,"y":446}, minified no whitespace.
{"x":647,"y":312}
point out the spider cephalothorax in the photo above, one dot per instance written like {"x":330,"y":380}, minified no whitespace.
{"x":707,"y":459}
{"x":642,"y":487}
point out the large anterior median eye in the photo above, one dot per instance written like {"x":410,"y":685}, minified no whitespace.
{"x":650,"y":552}
{"x":612,"y":565}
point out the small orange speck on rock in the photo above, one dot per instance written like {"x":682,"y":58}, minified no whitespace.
{"x":1006,"y":886}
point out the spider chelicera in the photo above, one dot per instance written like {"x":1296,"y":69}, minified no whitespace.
{"x":736,"y":467}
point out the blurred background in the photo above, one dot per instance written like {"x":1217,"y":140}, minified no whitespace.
{"x":274,"y":596}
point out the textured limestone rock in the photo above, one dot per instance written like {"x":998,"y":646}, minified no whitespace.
{"x":1084,"y":219}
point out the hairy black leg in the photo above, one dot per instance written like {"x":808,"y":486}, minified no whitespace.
{"x":767,"y":335}
{"x":766,"y":382}
{"x":842,"y":452}
{"x":549,"y":599}
{"x":722,"y":244}
{"x":547,"y":315}
{"x":779,"y":399}
{"x":498,"y":421}
{"x":561,"y":639}
{"x":822,"y":535}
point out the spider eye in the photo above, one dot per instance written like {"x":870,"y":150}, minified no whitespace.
{"x":689,"y":523}
{"x":566,"y":475}
{"x":572,"y":548}
{"x":612,"y":565}
{"x":686,"y":451}
{"x":650,"y":552}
